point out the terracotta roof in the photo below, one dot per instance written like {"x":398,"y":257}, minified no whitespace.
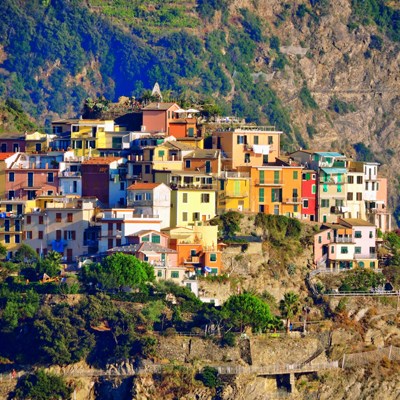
{"x":203,"y":153}
{"x":143,"y":185}
{"x":4,"y":156}
{"x":354,"y":222}
{"x":102,"y":160}
{"x":159,"y":106}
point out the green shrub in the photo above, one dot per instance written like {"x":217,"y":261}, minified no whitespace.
{"x":341,"y":107}
{"x":229,"y":339}
{"x":306,"y":98}
{"x":209,"y":377}
{"x":42,"y":385}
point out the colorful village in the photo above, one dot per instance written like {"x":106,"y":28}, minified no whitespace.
{"x":145,"y":184}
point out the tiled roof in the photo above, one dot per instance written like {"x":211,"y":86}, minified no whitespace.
{"x":354,"y":222}
{"x":142,"y":247}
{"x":203,"y":153}
{"x":101,"y":160}
{"x":158,"y":106}
{"x":143,"y":186}
{"x":4,"y":156}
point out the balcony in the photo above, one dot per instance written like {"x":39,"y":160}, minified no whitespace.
{"x":196,"y":186}
{"x":234,"y":174}
{"x":192,"y":260}
{"x":292,"y":200}
{"x":141,"y":203}
{"x":265,"y":182}
{"x":69,"y":174}
{"x":337,"y":210}
{"x":236,"y":195}
{"x":369,"y":256}
{"x":342,"y":240}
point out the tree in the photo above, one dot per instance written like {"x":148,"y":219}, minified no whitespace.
{"x":119,"y":270}
{"x":228,"y":224}
{"x":42,"y":385}
{"x":25,"y":254}
{"x":289,"y":307}
{"x":50,"y":265}
{"x":247,"y":310}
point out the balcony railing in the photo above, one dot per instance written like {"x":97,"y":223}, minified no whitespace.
{"x":142,"y":203}
{"x":198,"y":186}
{"x":368,"y":256}
{"x":292,"y":200}
{"x":342,"y":240}
{"x":234,"y":174}
{"x":240,"y":194}
{"x":268,"y":182}
{"x":69,"y":174}
{"x":192,"y":260}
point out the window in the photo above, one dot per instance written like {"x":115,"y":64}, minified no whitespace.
{"x":359,"y":196}
{"x":30,"y":179}
{"x":156,"y":238}
{"x":205,"y":197}
{"x":11,"y":177}
{"x":145,"y":238}
{"x":358,"y":234}
{"x":50,"y":177}
{"x":329,"y":235}
{"x":265,"y":159}
{"x":350,"y":179}
{"x":41,"y":219}
{"x":359,"y":180}
{"x":357,"y":250}
{"x":28,"y":219}
{"x":213,"y":257}
{"x":161,"y":153}
{"x":184,"y":197}
{"x":184,"y":216}
{"x":270,"y":140}
{"x":319,"y":239}
{"x":276,"y":195}
{"x":295,"y":208}
{"x":324,"y":188}
{"x":339,"y":188}
{"x":325,"y":203}
{"x":261,"y":195}
{"x":372,"y":264}
{"x":350,"y":196}
{"x":196,"y":216}
{"x":255,"y":141}
{"x":122,"y":186}
{"x":69,"y":235}
{"x":147,"y":169}
{"x":246,"y":158}
{"x":313,"y":189}
{"x":78,"y":144}
{"x":174,"y":274}
{"x":7,"y":238}
{"x":29,"y":234}
{"x":332,"y":249}
{"x":193,"y":253}
{"x":7,"y":225}
{"x":371,"y":234}
{"x":191,"y":132}
{"x":240,"y":139}
{"x":159,"y":274}
{"x":295,"y":174}
{"x":75,"y":128}
{"x":344,"y":250}
{"x":17,"y":239}
{"x":361,"y":264}
{"x":58,"y":217}
{"x":11,"y":194}
{"x":70,"y":217}
{"x":262,"y":176}
{"x":305,"y":203}
{"x":372,"y":250}
{"x":40,"y":235}
{"x":276,"y":176}
{"x":187,"y":163}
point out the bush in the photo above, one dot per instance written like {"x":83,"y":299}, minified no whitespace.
{"x":209,"y":377}
{"x":306,"y":98}
{"x":229,"y":339}
{"x":42,"y":386}
{"x":341,"y":107}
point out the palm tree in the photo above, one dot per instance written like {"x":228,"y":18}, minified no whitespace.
{"x":289,"y":307}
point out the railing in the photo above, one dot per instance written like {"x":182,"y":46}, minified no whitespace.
{"x":234,"y":174}
{"x":233,"y":194}
{"x":292,"y":200}
{"x":269,"y":182}
{"x":135,"y":203}
{"x":68,"y":174}
{"x":379,"y":293}
{"x":342,"y":240}
{"x":365,"y":256}
{"x":192,"y":260}
{"x":198,"y":186}
{"x":145,"y":216}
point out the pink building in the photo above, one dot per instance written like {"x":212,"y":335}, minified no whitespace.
{"x":377,"y":212}
{"x":157,"y":116}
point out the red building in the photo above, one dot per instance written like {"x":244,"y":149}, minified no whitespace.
{"x":12,"y":143}
{"x":309,"y":195}
{"x":157,"y":116}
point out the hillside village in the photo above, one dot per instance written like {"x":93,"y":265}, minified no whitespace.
{"x":148,"y":182}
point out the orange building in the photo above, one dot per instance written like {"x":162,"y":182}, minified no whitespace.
{"x":157,"y":116}
{"x":276,"y":189}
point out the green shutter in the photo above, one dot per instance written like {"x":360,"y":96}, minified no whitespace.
{"x":276,"y":176}
{"x":295,"y":174}
{"x":262,"y":175}
{"x":261,"y":195}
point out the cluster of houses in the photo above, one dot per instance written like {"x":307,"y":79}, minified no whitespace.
{"x":147,"y":182}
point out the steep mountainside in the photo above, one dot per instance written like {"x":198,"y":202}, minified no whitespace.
{"x":324,"y":71}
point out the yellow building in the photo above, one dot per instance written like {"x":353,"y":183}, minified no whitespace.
{"x":276,"y":189}
{"x":234,"y":192}
{"x":37,"y":142}
{"x":11,"y":223}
